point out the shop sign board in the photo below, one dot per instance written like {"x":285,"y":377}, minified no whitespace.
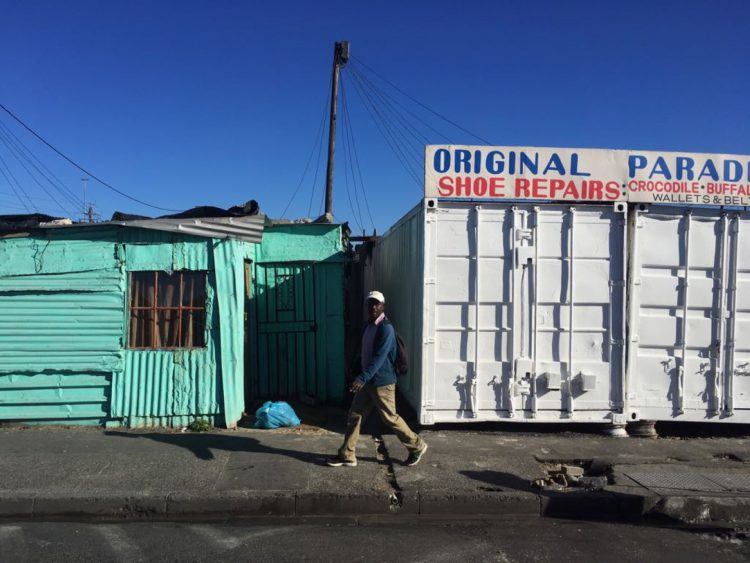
{"x":592,"y":175}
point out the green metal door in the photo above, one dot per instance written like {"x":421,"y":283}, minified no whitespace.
{"x":286,"y":324}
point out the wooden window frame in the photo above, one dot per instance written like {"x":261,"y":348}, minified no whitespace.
{"x":156,"y":308}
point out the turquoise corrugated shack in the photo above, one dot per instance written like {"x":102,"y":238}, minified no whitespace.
{"x":157,"y":322}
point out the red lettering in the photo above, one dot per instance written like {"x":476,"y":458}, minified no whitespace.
{"x":539,"y":188}
{"x":555,"y":186}
{"x":497,"y":187}
{"x":463,"y":184}
{"x":612,"y":190}
{"x":595,"y":190}
{"x":445,"y":186}
{"x":571,"y":191}
{"x":480,"y":187}
{"x":522,"y":187}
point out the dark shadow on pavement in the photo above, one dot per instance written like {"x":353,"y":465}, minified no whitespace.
{"x":500,"y":480}
{"x":203,"y":445}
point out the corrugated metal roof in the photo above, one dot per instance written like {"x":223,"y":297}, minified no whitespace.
{"x":248,"y":228}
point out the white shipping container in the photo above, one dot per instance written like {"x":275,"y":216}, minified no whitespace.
{"x":510,"y":311}
{"x":689,"y":315}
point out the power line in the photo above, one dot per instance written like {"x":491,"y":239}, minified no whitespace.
{"x":385,"y":96}
{"x":348,"y":165}
{"x":12,"y":145}
{"x":60,"y":184}
{"x":8,"y":177}
{"x":309,"y":159}
{"x":441,"y":116}
{"x":353,"y":157}
{"x":10,"y":148}
{"x":384,"y":131}
{"x":81,"y":168}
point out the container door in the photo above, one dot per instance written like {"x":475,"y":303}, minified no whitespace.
{"x":689,"y":290}
{"x":285,"y":320}
{"x":529,"y":311}
{"x":568,"y":310}
{"x":737,"y":375}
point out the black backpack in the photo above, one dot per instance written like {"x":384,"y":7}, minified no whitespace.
{"x":401,"y":365}
{"x":402,"y":356}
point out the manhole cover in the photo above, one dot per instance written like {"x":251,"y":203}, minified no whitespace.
{"x":681,"y":481}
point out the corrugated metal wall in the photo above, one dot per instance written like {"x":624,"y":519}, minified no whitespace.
{"x":396,"y":268}
{"x":63,"y":313}
{"x":317,"y":250}
{"x":61,"y":325}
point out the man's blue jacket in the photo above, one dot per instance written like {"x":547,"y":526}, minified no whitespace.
{"x":381,"y":370}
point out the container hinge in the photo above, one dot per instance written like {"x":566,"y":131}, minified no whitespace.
{"x":429,"y":281}
{"x":429,"y":341}
{"x":616,"y":283}
{"x":617,"y":341}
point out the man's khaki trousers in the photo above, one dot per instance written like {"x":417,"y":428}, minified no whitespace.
{"x":382,"y":399}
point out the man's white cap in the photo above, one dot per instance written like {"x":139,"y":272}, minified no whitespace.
{"x":376,"y":295}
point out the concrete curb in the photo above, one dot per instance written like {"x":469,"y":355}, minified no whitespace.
{"x":603,"y":505}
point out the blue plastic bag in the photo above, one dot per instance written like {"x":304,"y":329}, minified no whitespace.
{"x":275,"y":415}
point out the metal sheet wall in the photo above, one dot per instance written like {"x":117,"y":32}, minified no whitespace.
{"x":689,"y":317}
{"x":518,"y":309}
{"x":298,"y":313}
{"x":396,"y":268}
{"x":61,"y":325}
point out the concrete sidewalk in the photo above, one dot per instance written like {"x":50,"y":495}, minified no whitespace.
{"x":53,"y":472}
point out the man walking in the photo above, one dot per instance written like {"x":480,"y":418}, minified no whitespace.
{"x":375,"y":388}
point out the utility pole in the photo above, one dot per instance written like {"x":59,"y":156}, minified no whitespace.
{"x":85,"y":182}
{"x":340,"y":58}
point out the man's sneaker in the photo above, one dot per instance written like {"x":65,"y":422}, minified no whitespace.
{"x":414,"y":457}
{"x":337,"y":461}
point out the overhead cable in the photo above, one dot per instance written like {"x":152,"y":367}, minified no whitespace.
{"x":19,"y":153}
{"x":60,"y":186}
{"x":354,"y":157}
{"x":79,"y":167}
{"x":413,"y":99}
{"x":348,"y":165}
{"x":17,"y":187}
{"x":383,"y":129}
{"x":316,"y":141}
{"x":4,"y":140}
{"x":392,"y":100}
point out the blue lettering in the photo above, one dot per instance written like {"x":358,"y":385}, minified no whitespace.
{"x":709,"y":169}
{"x":526,"y":162}
{"x":495,"y":162}
{"x":462,"y":157}
{"x":442,"y":160}
{"x":574,"y":166}
{"x":636,"y":162}
{"x":511,"y":162}
{"x":477,"y":162}
{"x":728,"y":176}
{"x":684,"y":165}
{"x":660,"y":167}
{"x":555,"y":163}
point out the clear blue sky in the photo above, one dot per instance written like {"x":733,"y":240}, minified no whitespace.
{"x":189,"y":103}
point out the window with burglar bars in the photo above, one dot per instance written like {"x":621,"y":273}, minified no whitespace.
{"x":167,"y":310}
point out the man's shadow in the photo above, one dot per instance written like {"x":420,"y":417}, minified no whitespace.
{"x":203,"y":445}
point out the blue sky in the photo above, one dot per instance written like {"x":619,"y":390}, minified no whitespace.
{"x":190,"y":103}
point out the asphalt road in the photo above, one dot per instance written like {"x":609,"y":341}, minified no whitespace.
{"x":373,"y":540}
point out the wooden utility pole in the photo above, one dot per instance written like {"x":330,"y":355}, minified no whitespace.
{"x":340,"y":58}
